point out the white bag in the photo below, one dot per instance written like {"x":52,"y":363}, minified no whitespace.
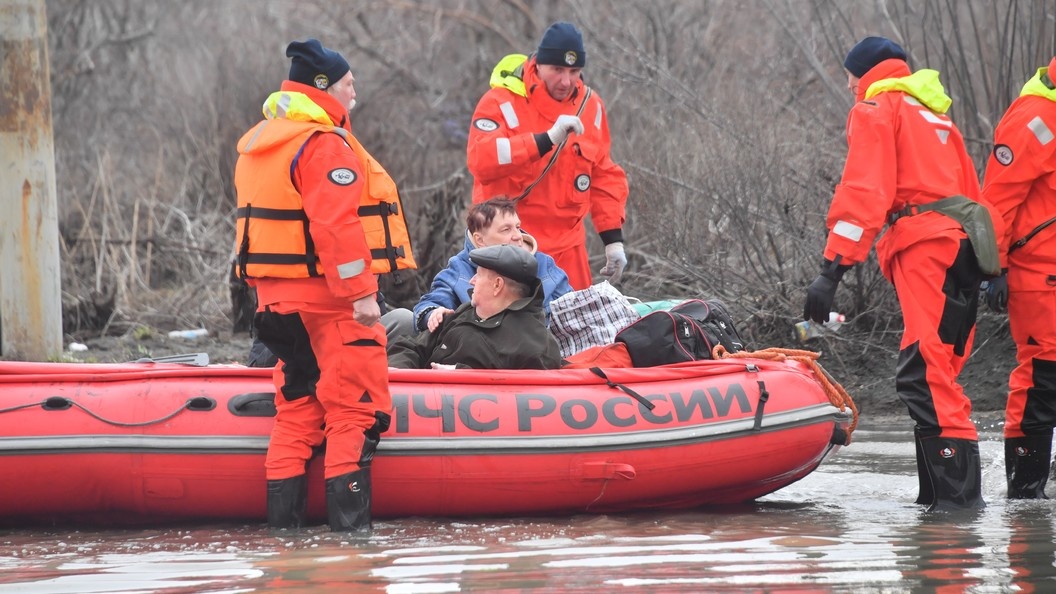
{"x":589,"y":317}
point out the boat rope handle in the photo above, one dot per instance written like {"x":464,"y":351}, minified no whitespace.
{"x":198,"y":403}
{"x":763,"y":397}
{"x":836,"y":393}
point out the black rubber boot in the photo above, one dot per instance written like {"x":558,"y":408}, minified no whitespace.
{"x":348,"y":501}
{"x":953,"y":465}
{"x":288,"y":502}
{"x":926,"y":494}
{"x":1027,"y":462}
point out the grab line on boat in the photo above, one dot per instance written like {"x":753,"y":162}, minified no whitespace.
{"x":58,"y":403}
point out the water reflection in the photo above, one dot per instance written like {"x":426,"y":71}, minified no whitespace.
{"x":1031,"y":548}
{"x":849,"y":527}
{"x":944,"y":553}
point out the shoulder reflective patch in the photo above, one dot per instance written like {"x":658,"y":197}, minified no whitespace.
{"x":509,"y":115}
{"x":910,"y":99}
{"x":944,"y":135}
{"x":342,"y":176}
{"x":1003,"y":154}
{"x":583,"y":182}
{"x":485,"y":125}
{"x":1040,"y":130}
{"x":934,"y":118}
{"x":597,"y":118}
{"x":503,"y":151}
{"x":848,"y":230}
{"x":351,"y":269}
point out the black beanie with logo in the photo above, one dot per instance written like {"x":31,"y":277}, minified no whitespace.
{"x":314,"y":65}
{"x":562,"y":45}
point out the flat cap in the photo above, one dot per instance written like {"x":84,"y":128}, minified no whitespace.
{"x":510,"y":261}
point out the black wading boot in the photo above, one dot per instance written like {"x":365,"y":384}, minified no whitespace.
{"x":953,"y":465}
{"x":1027,"y":465}
{"x":288,"y":502}
{"x":348,"y":501}
{"x":926,"y":494}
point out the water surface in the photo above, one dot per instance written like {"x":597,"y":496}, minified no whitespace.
{"x":850,"y":526}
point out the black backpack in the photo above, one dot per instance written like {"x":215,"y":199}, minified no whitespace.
{"x":688,"y":331}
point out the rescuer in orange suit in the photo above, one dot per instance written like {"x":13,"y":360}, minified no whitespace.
{"x":1020,"y":183}
{"x":300,"y":177}
{"x":903,"y":152}
{"x":539,"y":138}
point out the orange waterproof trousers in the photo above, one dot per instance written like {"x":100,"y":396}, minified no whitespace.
{"x":937,"y":282}
{"x":331,"y":381}
{"x":1031,"y":407}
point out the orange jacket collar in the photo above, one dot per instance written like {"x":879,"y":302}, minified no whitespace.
{"x":893,"y":68}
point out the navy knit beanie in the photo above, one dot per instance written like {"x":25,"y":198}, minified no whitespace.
{"x":562,"y":45}
{"x":314,"y":65}
{"x":869,"y":52}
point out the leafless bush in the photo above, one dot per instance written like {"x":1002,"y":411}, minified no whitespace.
{"x":727,"y":115}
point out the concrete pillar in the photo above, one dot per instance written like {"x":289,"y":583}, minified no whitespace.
{"x":30,"y":280}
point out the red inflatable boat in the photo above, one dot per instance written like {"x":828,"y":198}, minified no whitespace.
{"x":152,"y":443}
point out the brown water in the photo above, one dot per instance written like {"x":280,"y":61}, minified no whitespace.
{"x":850,"y":526}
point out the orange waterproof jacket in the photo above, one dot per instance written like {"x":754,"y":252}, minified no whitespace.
{"x":1020,"y":182}
{"x":309,"y":244}
{"x":504,"y":159}
{"x":902,"y":150}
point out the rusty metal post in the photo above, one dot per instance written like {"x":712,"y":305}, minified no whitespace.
{"x":30,"y":300}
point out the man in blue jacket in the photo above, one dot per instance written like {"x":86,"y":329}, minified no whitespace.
{"x":501,"y":327}
{"x":493,"y":222}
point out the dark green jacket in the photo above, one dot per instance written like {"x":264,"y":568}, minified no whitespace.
{"x":516,"y":338}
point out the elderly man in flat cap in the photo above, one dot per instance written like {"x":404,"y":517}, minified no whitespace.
{"x":502,"y":326}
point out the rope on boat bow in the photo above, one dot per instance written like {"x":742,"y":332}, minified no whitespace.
{"x":836,"y":393}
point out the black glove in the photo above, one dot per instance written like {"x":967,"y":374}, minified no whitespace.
{"x":997,"y":293}
{"x":822,"y":291}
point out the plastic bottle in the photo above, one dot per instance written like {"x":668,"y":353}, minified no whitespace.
{"x":807,"y":329}
{"x":194,"y":334}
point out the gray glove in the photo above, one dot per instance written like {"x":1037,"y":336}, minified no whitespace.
{"x":565,"y":125}
{"x":615,"y":262}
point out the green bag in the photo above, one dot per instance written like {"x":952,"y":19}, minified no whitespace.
{"x":976,"y":222}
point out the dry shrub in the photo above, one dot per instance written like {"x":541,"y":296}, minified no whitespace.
{"x":727,"y":115}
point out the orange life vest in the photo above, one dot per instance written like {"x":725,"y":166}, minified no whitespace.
{"x":272,"y":237}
